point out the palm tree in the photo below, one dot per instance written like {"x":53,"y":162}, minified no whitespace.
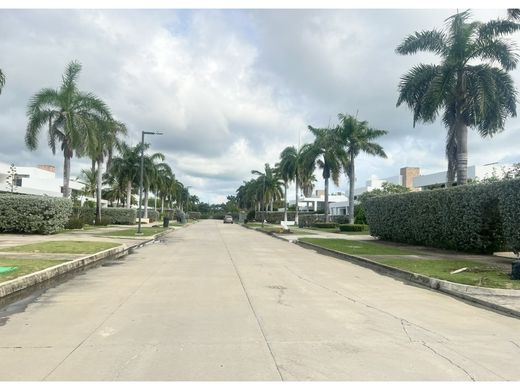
{"x":101,"y":143}
{"x":270,"y":186}
{"x":357,"y":137}
{"x":69,"y":113}
{"x":150,"y":173}
{"x":126,"y":168}
{"x":471,"y":95}
{"x":327,"y":152}
{"x":163,"y":182}
{"x":88,"y":179}
{"x":2,"y":80}
{"x":288,"y":168}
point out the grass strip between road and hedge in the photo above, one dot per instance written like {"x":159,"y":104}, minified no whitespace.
{"x":74,"y":247}
{"x":477,"y":274}
{"x":356,"y":247}
{"x":25,"y":267}
{"x":147,"y":231}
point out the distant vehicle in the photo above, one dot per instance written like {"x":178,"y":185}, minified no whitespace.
{"x":228,"y":219}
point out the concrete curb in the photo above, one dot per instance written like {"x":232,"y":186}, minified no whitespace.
{"x":16,"y":285}
{"x":454,"y":289}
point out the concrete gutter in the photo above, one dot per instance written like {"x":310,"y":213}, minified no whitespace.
{"x":455,"y":289}
{"x":30,"y":280}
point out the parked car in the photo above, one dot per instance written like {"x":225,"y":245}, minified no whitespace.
{"x":228,"y":219}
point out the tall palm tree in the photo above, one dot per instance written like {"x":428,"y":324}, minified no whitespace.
{"x":271,"y":186}
{"x":103,"y":139}
{"x":471,"y":95}
{"x":69,"y":113}
{"x":163,"y":183}
{"x":357,"y":137}
{"x":288,"y":168}
{"x":88,"y":179}
{"x":2,"y":80}
{"x":327,"y":152}
{"x":151,"y":168}
{"x":126,"y":168}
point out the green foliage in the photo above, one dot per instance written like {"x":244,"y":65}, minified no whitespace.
{"x":153,"y":215}
{"x":74,"y":223}
{"x":359,"y":214}
{"x":114,"y":215}
{"x":352,"y":227}
{"x":104,"y":221}
{"x":509,"y":205}
{"x":33,"y":214}
{"x":478,"y":218}
{"x":325,"y":225}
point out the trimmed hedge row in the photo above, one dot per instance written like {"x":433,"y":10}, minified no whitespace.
{"x":325,"y":225}
{"x":353,"y":228}
{"x":153,"y":215}
{"x":33,"y":213}
{"x":304,"y":219}
{"x":481,"y":218}
{"x":112,"y":215}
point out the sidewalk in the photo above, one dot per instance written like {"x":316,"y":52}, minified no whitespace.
{"x":504,"y":300}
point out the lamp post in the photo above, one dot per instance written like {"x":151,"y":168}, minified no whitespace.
{"x":142,"y":173}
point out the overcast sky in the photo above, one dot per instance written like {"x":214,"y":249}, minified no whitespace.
{"x":230,"y":89}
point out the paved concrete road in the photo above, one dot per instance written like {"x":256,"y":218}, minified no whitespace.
{"x":219,"y":302}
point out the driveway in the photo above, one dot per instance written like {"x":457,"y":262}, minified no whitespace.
{"x":220,"y":302}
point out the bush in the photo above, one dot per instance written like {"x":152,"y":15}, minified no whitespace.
{"x":104,"y":221}
{"x":324,"y":225}
{"x":74,"y":223}
{"x":509,"y":206}
{"x":465,"y":218}
{"x":33,"y":214}
{"x":353,"y":228}
{"x":119,"y":215}
{"x":153,"y":215}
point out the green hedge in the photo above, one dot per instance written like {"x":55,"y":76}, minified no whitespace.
{"x":324,"y":225}
{"x":153,"y":215}
{"x":509,"y":206}
{"x":33,"y":214}
{"x":473,"y":218}
{"x":353,"y":227}
{"x":112,"y":215}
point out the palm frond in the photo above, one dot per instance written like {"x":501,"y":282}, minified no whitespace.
{"x":432,"y":41}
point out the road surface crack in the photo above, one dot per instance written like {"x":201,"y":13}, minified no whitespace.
{"x":448,"y":359}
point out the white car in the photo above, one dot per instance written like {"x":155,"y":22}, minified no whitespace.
{"x":228,"y":219}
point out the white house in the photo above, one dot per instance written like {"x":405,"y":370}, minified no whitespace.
{"x":40,"y":180}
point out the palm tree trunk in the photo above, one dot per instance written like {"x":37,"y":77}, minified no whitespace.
{"x":285,"y":208}
{"x":296,"y":221}
{"x":146,"y":202}
{"x":162,"y":204}
{"x":128,"y":194}
{"x":352,"y":178}
{"x":98,"y":191}
{"x":327,"y":199}
{"x":66,"y":171}
{"x":462,"y":151}
{"x":93,"y":165}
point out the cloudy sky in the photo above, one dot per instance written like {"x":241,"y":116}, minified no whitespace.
{"x":231,"y":88}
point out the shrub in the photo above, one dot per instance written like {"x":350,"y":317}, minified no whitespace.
{"x":353,"y":228}
{"x":104,"y":221}
{"x":509,"y":206}
{"x":465,"y":218}
{"x":119,"y":215}
{"x":74,"y":223}
{"x":33,"y":214}
{"x":153,"y":215}
{"x":325,"y":225}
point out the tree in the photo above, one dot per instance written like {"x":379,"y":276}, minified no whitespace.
{"x":100,"y":144}
{"x":386,"y":189}
{"x":151,"y":167}
{"x":288,"y":168}
{"x":2,"y":80}
{"x":125,"y":168}
{"x":469,"y":94}
{"x":270,"y":186}
{"x":69,"y":113}
{"x":357,"y":137}
{"x":327,"y":152}
{"x":88,"y":179}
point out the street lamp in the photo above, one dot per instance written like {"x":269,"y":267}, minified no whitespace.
{"x":142,"y":172}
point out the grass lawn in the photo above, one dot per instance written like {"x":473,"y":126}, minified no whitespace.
{"x":356,"y":247}
{"x":24,"y":267}
{"x":62,"y":247}
{"x":478,"y":274}
{"x":147,"y":231}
